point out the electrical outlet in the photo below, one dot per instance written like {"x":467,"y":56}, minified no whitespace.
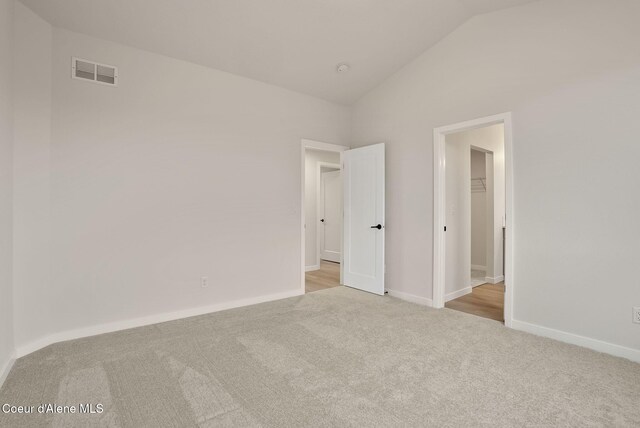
{"x":204,"y":282}
{"x":636,"y":314}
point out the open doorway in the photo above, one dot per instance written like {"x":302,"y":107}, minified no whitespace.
{"x":472,"y":202}
{"x":322,"y":215}
{"x":342,"y":217}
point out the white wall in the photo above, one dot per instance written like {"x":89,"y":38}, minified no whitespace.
{"x":179,"y":172}
{"x":6,"y":198}
{"x":33,"y":308}
{"x":569,"y":70}
{"x":312,"y":157}
{"x":495,"y":247}
{"x":149,"y":191}
{"x":458,"y":235}
{"x":479,"y":212}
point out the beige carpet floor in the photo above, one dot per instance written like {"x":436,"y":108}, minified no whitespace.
{"x":333,"y":358}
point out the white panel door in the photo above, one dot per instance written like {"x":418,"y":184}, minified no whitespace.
{"x":363,"y":176}
{"x":330,"y":215}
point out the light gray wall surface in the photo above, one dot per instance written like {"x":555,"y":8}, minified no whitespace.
{"x":478,"y":211}
{"x":34,"y":295}
{"x":177,"y":173}
{"x":457,"y":206}
{"x":569,"y":71}
{"x":146,"y":187}
{"x":6,"y":184}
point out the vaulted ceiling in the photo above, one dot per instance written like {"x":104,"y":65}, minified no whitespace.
{"x":295,"y":44}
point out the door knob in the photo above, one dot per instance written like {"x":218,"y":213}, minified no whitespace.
{"x":378,"y":226}
{"x":322,"y":220}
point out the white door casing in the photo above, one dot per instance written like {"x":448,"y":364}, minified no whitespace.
{"x":330,"y":215}
{"x":364,"y":218}
{"x":439,"y":201}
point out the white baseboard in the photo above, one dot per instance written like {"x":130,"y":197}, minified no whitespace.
{"x":478,"y":267}
{"x":40,"y":343}
{"x":495,"y":279}
{"x":574,"y":339}
{"x":411,"y":298}
{"x":457,"y":294}
{"x":310,"y":268}
{"x":4,"y":371}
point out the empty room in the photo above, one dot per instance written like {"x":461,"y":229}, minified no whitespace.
{"x":306,"y":213}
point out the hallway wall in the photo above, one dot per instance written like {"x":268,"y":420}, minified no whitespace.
{"x":478,"y":212}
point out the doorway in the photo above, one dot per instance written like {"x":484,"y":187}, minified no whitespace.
{"x":342,"y":217}
{"x":322,"y":218}
{"x":473,"y":200}
{"x":326,"y":272}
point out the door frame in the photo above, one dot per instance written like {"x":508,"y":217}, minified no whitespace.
{"x":305,"y":145}
{"x":321,"y":165}
{"x":439,"y":208}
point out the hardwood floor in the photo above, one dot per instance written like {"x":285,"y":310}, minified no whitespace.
{"x":484,"y":301}
{"x":328,"y":276}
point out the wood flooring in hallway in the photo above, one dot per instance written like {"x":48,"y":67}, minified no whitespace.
{"x":485,"y":301}
{"x":328,"y":276}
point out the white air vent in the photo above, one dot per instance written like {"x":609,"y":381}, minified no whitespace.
{"x":94,"y":72}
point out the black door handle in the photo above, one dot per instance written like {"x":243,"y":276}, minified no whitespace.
{"x":378,"y":226}
{"x":322,"y":220}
